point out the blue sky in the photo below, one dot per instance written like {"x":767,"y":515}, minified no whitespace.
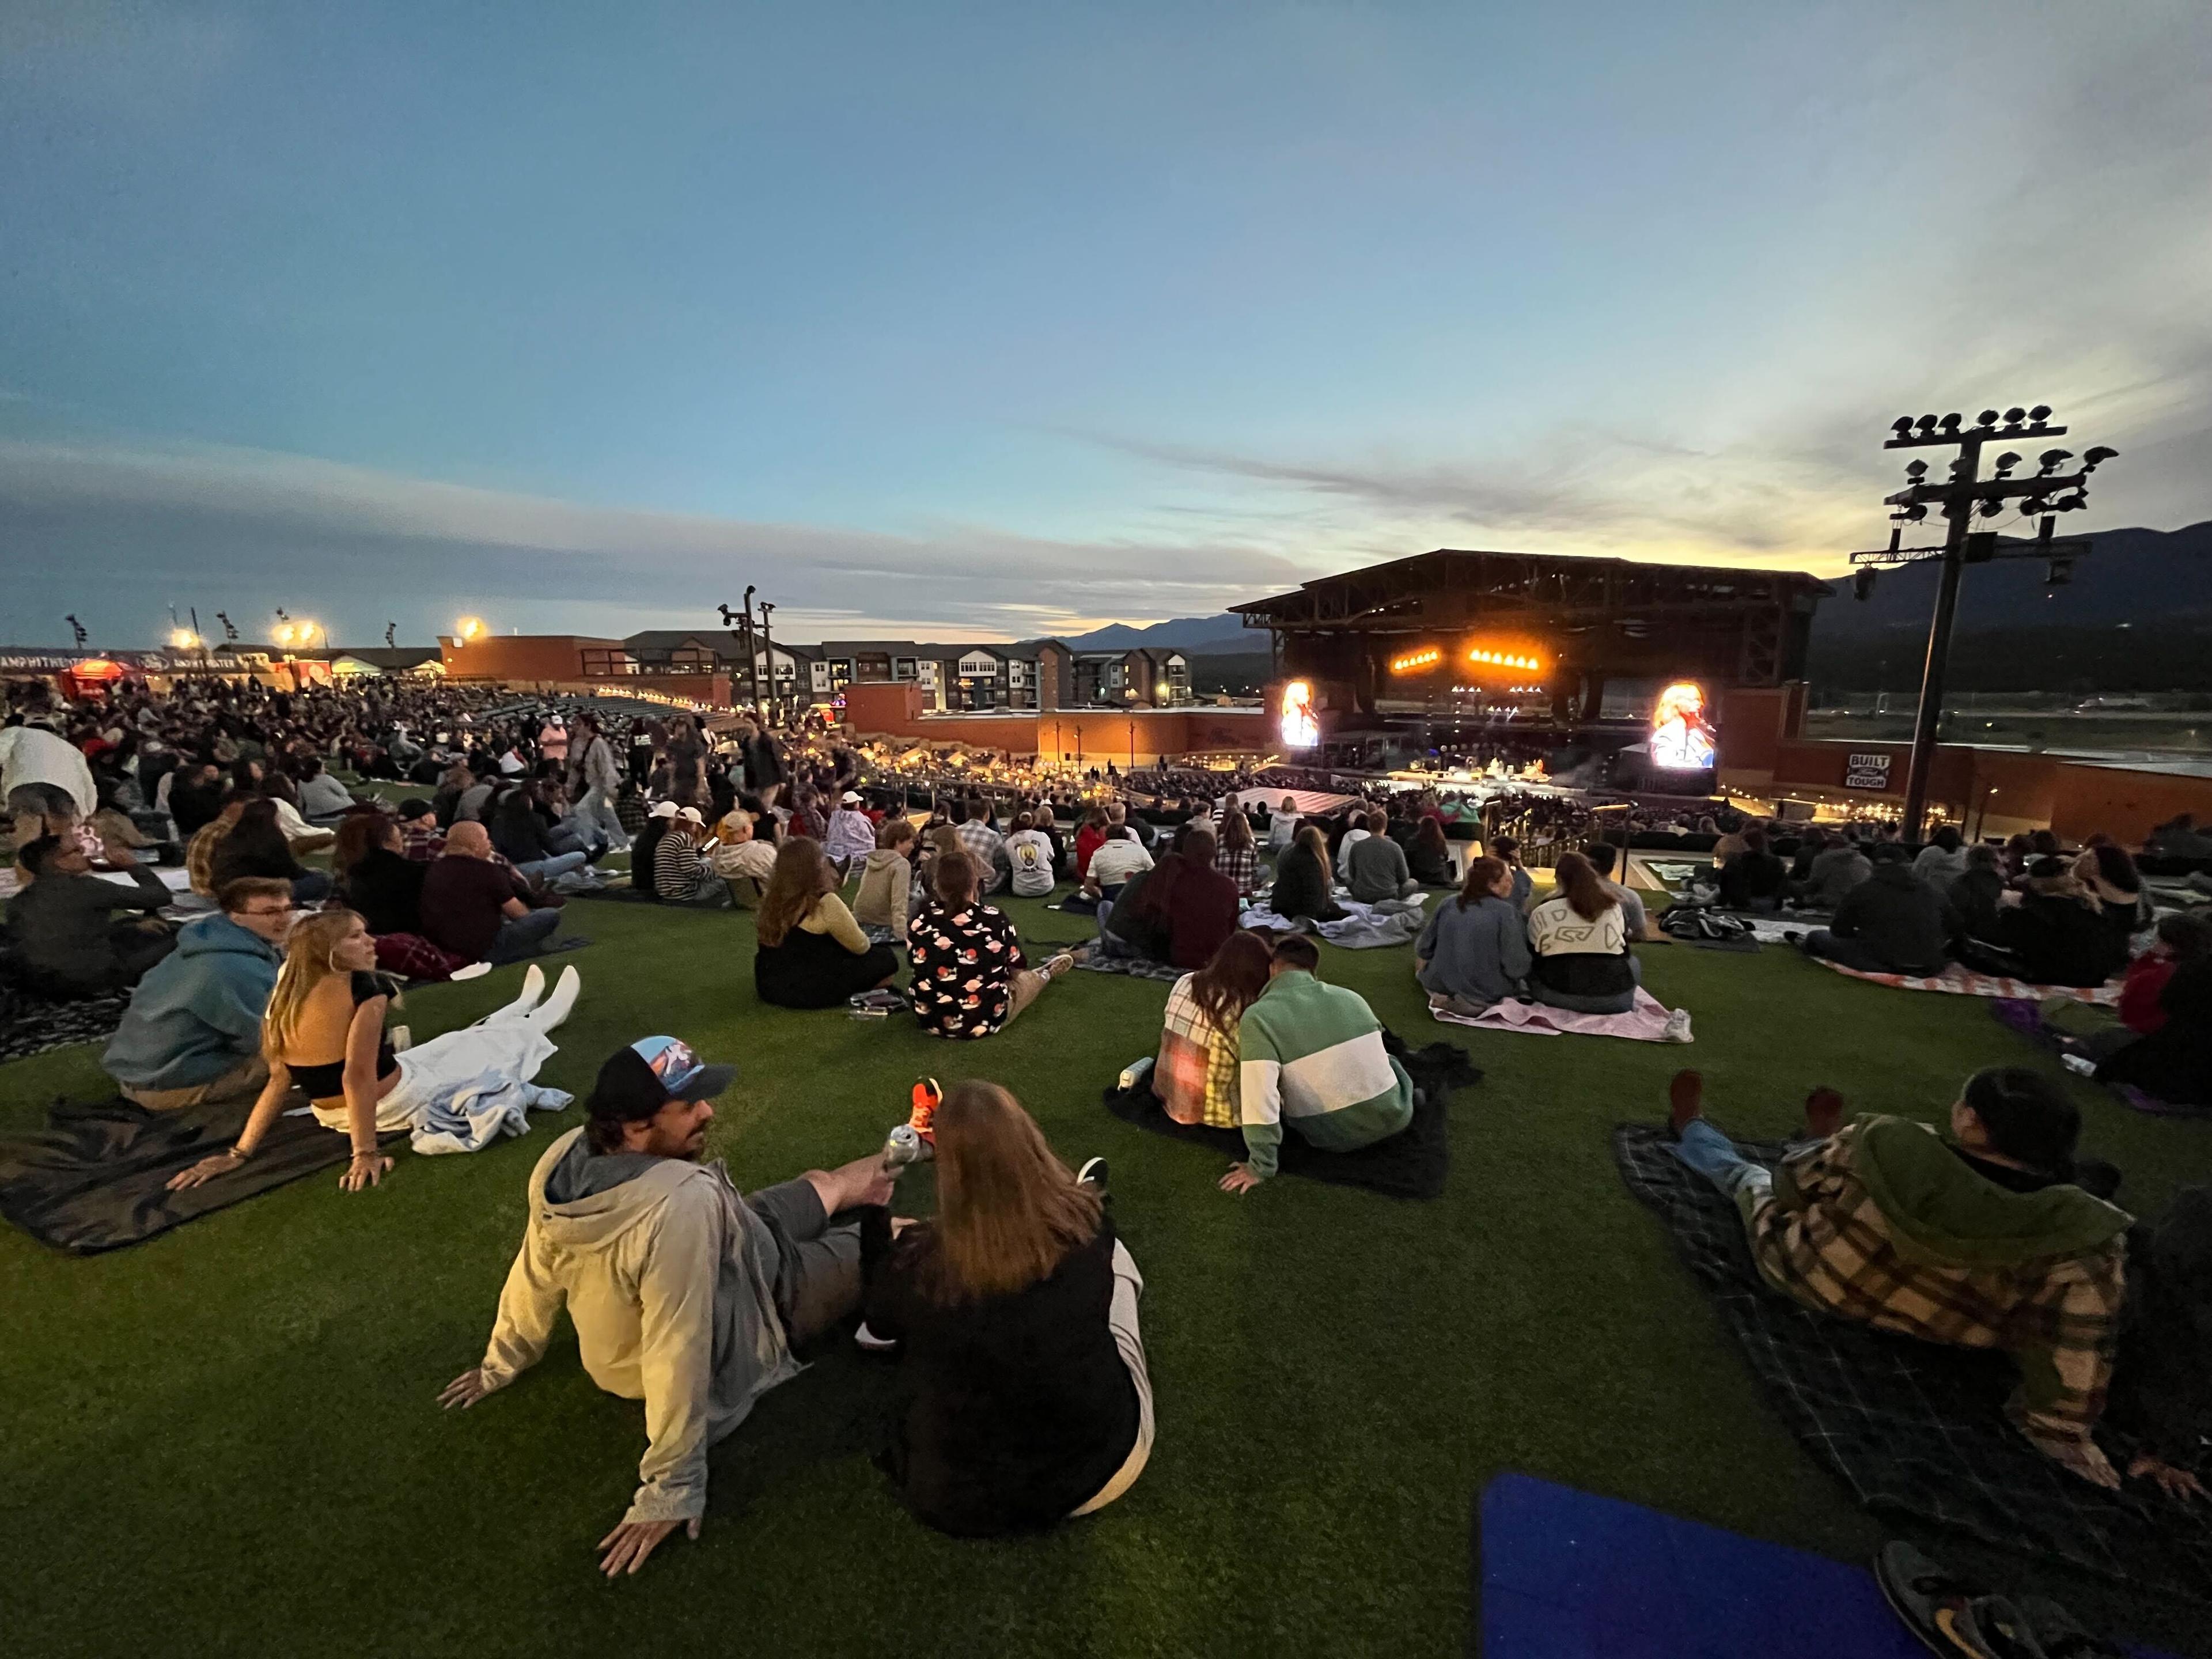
{"x":1009,"y":319}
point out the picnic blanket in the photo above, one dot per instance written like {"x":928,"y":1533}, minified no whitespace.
{"x":1364,"y":927}
{"x":96,"y":1178}
{"x":1964,"y":981}
{"x":1135,"y":967}
{"x":2027,"y":1018}
{"x":1412,"y":1163}
{"x":1909,"y":1425}
{"x":1645,"y":1022}
{"x":31,"y":1024}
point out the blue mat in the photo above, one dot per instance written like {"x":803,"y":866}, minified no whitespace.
{"x":1564,"y":1574}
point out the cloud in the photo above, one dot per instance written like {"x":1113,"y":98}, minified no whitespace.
{"x":247,"y":529}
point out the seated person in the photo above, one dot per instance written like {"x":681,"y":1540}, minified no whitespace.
{"x":2182,"y":937}
{"x":1283,"y":823}
{"x":970,"y":979}
{"x":1755,"y":879}
{"x":1028,"y":853}
{"x":1977,"y":893}
{"x":1375,"y":869}
{"x":1602,"y":855}
{"x":66,"y":942}
{"x":192,"y":1032}
{"x":375,"y":877}
{"x":1195,"y":1074}
{"x":683,"y":1293}
{"x":1304,"y":884}
{"x":1429,"y":856}
{"x":2172,"y":1063}
{"x":1090,"y":837}
{"x":1977,"y":1240}
{"x":647,"y":844}
{"x":321,"y":795}
{"x":1580,"y":937}
{"x":1025,"y":1399}
{"x":1474,"y":949}
{"x":812,"y":953}
{"x":478,"y":910}
{"x":2110,"y":877}
{"x":1183,"y":905}
{"x":1238,"y":857}
{"x":1312,"y":1056}
{"x":1942,"y":860}
{"x":983,"y":844}
{"x":884,"y":901}
{"x":420,"y":837}
{"x":520,"y":834}
{"x":742,"y":859}
{"x":324,"y":1031}
{"x":1891,"y":923}
{"x":1508,"y":851}
{"x":1117,"y":858}
{"x":255,"y":846}
{"x":852,"y":833}
{"x":1837,"y":868}
{"x":680,"y":871}
{"x":2057,"y":932}
{"x":2160,"y":1401}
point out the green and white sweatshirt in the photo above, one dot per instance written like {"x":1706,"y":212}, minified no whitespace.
{"x":1313,"y":1053}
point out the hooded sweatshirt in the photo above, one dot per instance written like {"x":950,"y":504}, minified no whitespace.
{"x":887,"y":884}
{"x":197,"y":1013}
{"x":668,"y":1279}
{"x":1886,"y":1223}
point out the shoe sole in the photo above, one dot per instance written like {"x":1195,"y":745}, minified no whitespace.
{"x":1938,"y":1640}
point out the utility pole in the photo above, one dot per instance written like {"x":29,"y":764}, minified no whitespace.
{"x":767,"y":650}
{"x":2043,"y":494}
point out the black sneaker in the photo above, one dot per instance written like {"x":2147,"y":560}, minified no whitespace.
{"x":1094,"y":1171}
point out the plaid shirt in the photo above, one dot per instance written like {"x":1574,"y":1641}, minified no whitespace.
{"x":422,"y":842}
{"x":1822,"y":1240}
{"x":1241,"y":865}
{"x":982,"y":843}
{"x":1196,"y":1076}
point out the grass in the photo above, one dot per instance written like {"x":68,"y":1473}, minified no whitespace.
{"x":225,"y":1441}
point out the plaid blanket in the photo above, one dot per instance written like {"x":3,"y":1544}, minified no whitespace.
{"x":1135,"y":967}
{"x":31,"y":1024}
{"x":1964,"y":981}
{"x":1909,"y":1425}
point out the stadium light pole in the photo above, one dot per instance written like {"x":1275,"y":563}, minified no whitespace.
{"x":2042,"y":495}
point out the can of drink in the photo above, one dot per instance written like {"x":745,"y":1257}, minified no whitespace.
{"x":1135,"y":1073}
{"x":926,"y":1094}
{"x":903,"y":1147}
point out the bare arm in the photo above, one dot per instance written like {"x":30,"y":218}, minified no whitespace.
{"x":363,"y":1038}
{"x":266,"y":1106}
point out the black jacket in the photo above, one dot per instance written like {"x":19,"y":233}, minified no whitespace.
{"x":2173,"y":1063}
{"x":1018,"y":1409}
{"x":387,"y":890}
{"x":1898,"y":917}
{"x":1300,"y":889}
{"x":1751,"y":876}
{"x":2058,"y":940}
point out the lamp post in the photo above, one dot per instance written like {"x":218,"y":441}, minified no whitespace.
{"x":2043,"y":494}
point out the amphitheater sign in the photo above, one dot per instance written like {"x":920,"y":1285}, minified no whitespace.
{"x":1867,"y":771}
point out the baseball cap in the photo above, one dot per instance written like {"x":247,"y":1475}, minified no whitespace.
{"x":638,"y":1081}
{"x":852,"y":797}
{"x":666,"y":809}
{"x":691,"y":815}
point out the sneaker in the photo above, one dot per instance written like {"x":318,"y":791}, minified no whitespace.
{"x":1678,"y":1026}
{"x":1094,"y":1171}
{"x":870,"y":1342}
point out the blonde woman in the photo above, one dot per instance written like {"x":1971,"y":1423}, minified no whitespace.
{"x":324,"y":1032}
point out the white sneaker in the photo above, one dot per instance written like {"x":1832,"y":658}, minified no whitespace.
{"x":533,"y":989}
{"x":1677,"y":1027}
{"x":2080,"y":1065}
{"x":868,"y":1340}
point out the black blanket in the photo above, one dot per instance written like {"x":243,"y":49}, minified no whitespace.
{"x":1412,"y":1163}
{"x":31,"y":1024}
{"x":1910,"y":1425}
{"x":96,"y":1178}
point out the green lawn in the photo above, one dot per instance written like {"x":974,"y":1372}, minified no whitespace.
{"x":225,"y":1441}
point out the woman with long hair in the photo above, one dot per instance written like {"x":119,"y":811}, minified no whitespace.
{"x":1026,"y":1397}
{"x":1195,"y":1074}
{"x":323,"y":1030}
{"x":1429,"y":859}
{"x":813,"y":954}
{"x":1474,"y":950}
{"x":1238,"y":857}
{"x":256,"y":847}
{"x":1580,"y":937}
{"x":2057,"y":934}
{"x":970,"y":979}
{"x":1304,"y":884}
{"x":2110,"y":875}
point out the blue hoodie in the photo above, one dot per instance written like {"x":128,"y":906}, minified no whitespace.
{"x":197,"y":1011}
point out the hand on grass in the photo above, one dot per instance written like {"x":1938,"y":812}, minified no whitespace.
{"x":627,"y":1545}
{"x":1240,"y":1179}
{"x":464,"y":1390}
{"x":2174,"y":1483}
{"x":367,"y":1170}
{"x":216,"y":1163}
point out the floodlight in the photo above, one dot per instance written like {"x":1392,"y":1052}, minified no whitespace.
{"x":1902,"y":426}
{"x":1926,"y":423}
{"x":1915,"y":512}
{"x":1949,"y":422}
{"x":2048,"y":461}
{"x":2039,"y":414}
{"x":2006,"y":462}
{"x":1988,"y":417}
{"x":1990,"y":509}
{"x":2014,"y":415}
{"x":2097,"y":456}
{"x":1916,"y":469}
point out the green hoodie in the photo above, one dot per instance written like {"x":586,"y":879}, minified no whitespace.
{"x":1939,"y":1210}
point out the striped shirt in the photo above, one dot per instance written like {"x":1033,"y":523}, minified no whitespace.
{"x":1312,"y":1055}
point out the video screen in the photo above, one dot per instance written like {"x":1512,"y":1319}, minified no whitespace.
{"x":1682,"y":740}
{"x":1299,"y":727}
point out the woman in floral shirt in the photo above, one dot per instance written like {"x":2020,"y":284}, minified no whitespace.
{"x":969,"y":976}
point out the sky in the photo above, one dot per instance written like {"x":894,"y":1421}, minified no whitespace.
{"x":1002,"y":320}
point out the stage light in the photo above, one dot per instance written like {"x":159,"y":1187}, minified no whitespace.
{"x":467,"y":629}
{"x":1414,"y":661}
{"x":183,"y":639}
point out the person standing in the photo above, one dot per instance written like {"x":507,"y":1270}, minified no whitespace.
{"x":597,"y":781}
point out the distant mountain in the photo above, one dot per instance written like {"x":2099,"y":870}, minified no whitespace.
{"x":1198,"y":635}
{"x":2140,"y":577}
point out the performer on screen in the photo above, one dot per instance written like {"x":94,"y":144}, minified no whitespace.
{"x":1680,"y":737}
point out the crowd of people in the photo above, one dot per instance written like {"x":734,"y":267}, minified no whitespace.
{"x":1012,"y":1313}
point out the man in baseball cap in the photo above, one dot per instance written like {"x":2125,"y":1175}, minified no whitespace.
{"x":684,"y":1294}
{"x":851,"y":835}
